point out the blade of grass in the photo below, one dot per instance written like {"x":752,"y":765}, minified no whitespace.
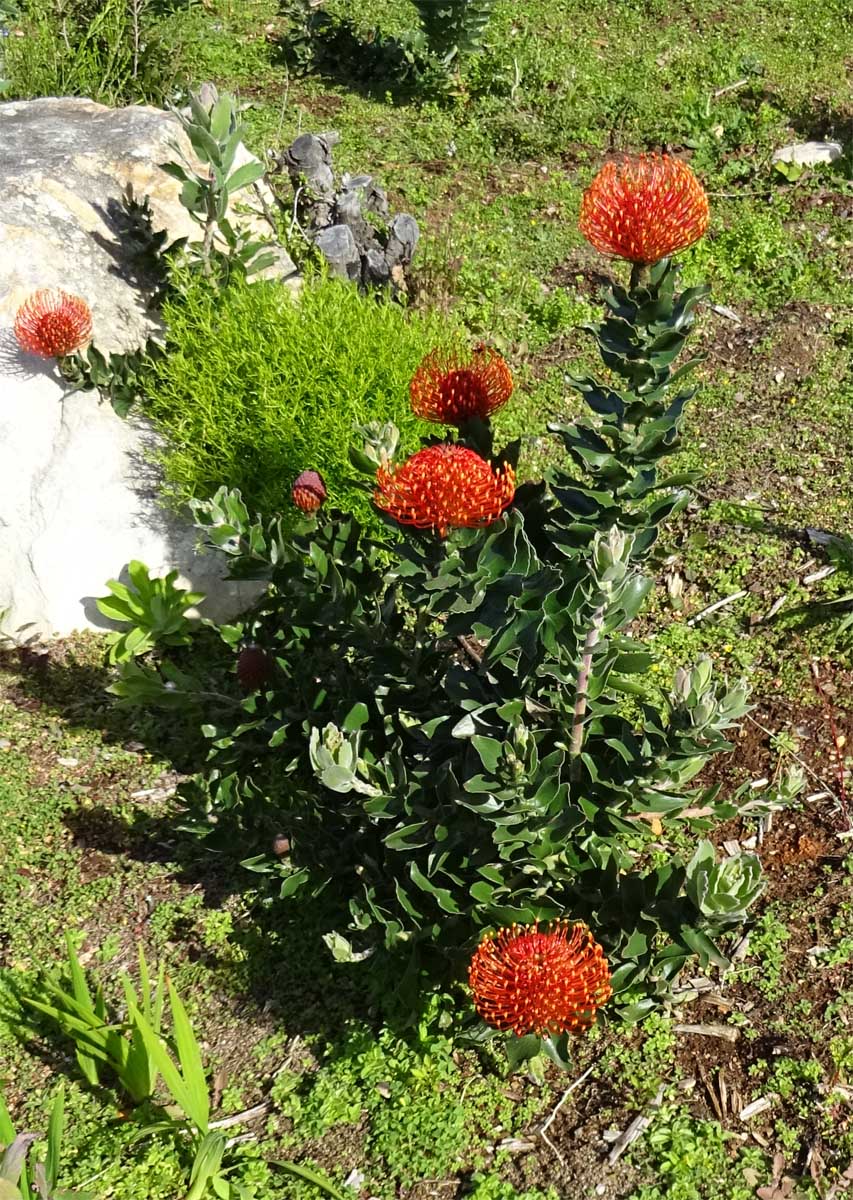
{"x":82,"y":995}
{"x":55,"y":1130}
{"x":189,"y":1056}
{"x":319,"y":1180}
{"x":206,"y":1164}
{"x":174,"y":1081}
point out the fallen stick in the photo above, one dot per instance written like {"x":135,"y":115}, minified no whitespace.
{"x":635,"y":1130}
{"x":706,"y":612}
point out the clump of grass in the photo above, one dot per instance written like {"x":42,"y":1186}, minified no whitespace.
{"x":258,"y":386}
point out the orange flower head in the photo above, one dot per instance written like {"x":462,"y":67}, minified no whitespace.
{"x":543,"y":982}
{"x":450,"y":387}
{"x":644,"y":209}
{"x":53,"y":323}
{"x":444,"y":487}
{"x":309,"y":491}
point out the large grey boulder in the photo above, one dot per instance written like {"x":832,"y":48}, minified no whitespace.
{"x":78,"y":494}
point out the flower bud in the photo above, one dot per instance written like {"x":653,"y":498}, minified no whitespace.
{"x":280,"y":845}
{"x":254,"y":667}
{"x":309,"y":491}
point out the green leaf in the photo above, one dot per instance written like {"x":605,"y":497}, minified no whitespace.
{"x":206,"y":1164}
{"x":521,"y":1049}
{"x":357,"y":717}
{"x":221,"y":116}
{"x":443,"y":897}
{"x":189,"y":1056}
{"x":702,"y":945}
{"x":319,"y":1180}
{"x":55,"y":1130}
{"x":249,"y":173}
{"x":175,"y":170}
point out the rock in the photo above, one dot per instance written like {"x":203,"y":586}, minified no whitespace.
{"x":403,"y":239}
{"x":335,"y":218}
{"x":808,"y":154}
{"x":78,"y":493}
{"x":337,"y":245}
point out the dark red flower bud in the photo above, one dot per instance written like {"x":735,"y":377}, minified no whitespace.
{"x":309,"y":491}
{"x":254,"y":667}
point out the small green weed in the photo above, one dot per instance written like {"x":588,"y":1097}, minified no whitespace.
{"x":424,"y":1106}
{"x":764,"y":966}
{"x":638,"y":1060}
{"x":693,"y":1161}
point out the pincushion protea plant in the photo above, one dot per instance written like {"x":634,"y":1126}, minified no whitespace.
{"x":536,"y":981}
{"x":451,"y":387}
{"x":448,"y":705}
{"x":644,"y":209}
{"x":53,"y":324}
{"x":445,"y":487}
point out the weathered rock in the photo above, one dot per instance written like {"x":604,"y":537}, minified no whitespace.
{"x":335,"y":219}
{"x":337,"y":245}
{"x":808,"y":154}
{"x":403,"y":239}
{"x":78,"y":496}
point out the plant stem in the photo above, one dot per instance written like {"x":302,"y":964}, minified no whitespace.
{"x":639,"y":276}
{"x":592,"y":639}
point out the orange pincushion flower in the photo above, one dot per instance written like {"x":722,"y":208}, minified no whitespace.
{"x":450,"y":387}
{"x":532,"y":981}
{"x":644,"y":209}
{"x":53,"y":323}
{"x":443,"y":487}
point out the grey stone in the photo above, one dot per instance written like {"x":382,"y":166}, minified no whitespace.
{"x":403,"y":238}
{"x":367,"y":254}
{"x":78,"y":493}
{"x":377,"y":270}
{"x":337,"y":245}
{"x":808,"y":154}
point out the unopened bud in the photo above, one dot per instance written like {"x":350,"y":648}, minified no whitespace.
{"x":280,"y":845}
{"x":309,"y":491}
{"x":253,"y":667}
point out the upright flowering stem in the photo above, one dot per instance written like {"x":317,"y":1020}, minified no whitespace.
{"x":639,"y":276}
{"x":582,"y":688}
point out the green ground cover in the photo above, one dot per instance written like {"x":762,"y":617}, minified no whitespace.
{"x":494,"y":170}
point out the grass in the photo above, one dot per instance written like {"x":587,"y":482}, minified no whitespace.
{"x":493,"y":169}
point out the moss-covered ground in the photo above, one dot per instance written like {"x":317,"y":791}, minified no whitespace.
{"x":494,"y":168}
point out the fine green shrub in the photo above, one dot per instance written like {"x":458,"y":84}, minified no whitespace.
{"x":258,"y":386}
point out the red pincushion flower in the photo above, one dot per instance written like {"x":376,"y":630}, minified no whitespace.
{"x":644,"y":209}
{"x":443,"y":487}
{"x":450,"y":387}
{"x":53,"y":323}
{"x":309,"y":491}
{"x":532,"y":981}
